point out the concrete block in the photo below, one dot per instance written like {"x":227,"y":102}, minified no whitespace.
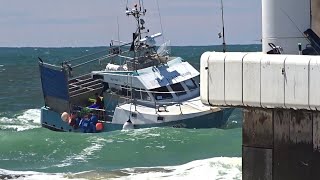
{"x":257,"y":128}
{"x":292,"y":153}
{"x":292,"y":162}
{"x":315,"y":165}
{"x":256,"y":163}
{"x":316,"y":131}
{"x":281,"y":120}
{"x":301,"y":127}
{"x":281,"y":144}
{"x":316,"y":145}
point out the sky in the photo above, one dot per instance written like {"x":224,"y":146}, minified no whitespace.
{"x":79,"y":23}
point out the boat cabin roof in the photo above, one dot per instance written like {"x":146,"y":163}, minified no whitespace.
{"x":172,"y":72}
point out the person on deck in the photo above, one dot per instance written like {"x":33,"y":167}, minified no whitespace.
{"x":85,"y":124}
{"x":88,"y":123}
{"x":98,"y":102}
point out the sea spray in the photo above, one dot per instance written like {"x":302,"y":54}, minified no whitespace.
{"x":29,"y":119}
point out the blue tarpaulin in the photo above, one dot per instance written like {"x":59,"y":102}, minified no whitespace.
{"x":54,"y":83}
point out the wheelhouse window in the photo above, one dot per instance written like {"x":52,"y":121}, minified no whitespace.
{"x":125,"y":91}
{"x":145,"y":96}
{"x":178,"y":88}
{"x":191,"y":84}
{"x":136,"y":93}
{"x":161,"y":93}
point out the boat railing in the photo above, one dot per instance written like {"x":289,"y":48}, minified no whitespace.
{"x":158,"y":92}
{"x":100,"y":113}
{"x":159,"y":106}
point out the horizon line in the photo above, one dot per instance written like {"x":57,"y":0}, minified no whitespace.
{"x":109,"y":46}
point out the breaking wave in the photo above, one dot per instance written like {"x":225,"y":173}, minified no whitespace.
{"x":29,"y":119}
{"x":208,"y":169}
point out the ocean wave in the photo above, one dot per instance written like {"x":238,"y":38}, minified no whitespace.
{"x":28,"y":175}
{"x":140,"y":134}
{"x":207,"y":169}
{"x":97,"y":143}
{"x":29,"y":119}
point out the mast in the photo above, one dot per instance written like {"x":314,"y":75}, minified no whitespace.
{"x":223,"y":37}
{"x":136,"y":12}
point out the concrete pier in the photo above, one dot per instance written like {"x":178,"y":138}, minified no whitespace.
{"x":279,"y":93}
{"x":281,"y":144}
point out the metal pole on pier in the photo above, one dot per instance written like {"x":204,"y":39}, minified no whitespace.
{"x":223,"y":37}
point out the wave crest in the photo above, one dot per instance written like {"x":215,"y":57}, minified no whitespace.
{"x":29,"y":119}
{"x":214,"y":168}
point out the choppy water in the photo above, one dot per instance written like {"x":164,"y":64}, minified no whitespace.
{"x":31,"y":152}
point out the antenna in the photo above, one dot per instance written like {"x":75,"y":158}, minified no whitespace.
{"x":119,"y":37}
{"x":118,"y":29}
{"x":160,"y":19}
{"x":223,"y":37}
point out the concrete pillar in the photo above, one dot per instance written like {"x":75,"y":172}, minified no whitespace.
{"x":281,"y":144}
{"x":292,"y":153}
{"x":257,"y":147}
{"x":316,"y":145}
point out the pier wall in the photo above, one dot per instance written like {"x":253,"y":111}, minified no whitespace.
{"x":281,"y":144}
{"x":281,"y":102}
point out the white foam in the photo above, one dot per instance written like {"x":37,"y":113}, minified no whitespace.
{"x":161,"y":147}
{"x":31,"y":115}
{"x":29,"y":119}
{"x":96,"y":145}
{"x":2,"y":68}
{"x":144,"y":133}
{"x":86,"y":154}
{"x":207,"y":169}
{"x":31,"y":175}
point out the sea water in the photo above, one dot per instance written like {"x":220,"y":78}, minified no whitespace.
{"x":28,"y":151}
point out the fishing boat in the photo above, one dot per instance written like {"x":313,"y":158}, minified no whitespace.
{"x":141,"y":86}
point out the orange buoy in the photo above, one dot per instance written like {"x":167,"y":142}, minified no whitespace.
{"x":99,"y":126}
